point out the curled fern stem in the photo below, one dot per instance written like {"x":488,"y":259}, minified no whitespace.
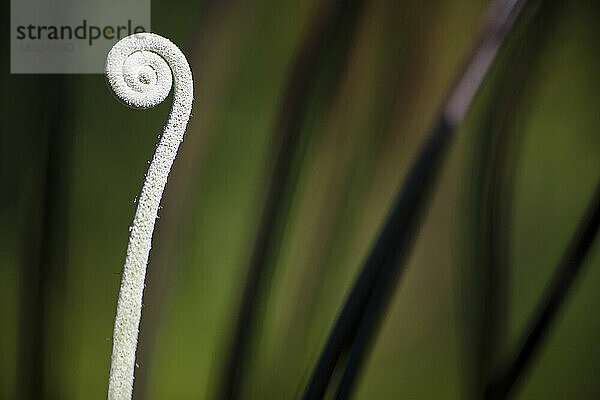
{"x":140,"y":70}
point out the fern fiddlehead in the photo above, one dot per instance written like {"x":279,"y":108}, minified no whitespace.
{"x":140,"y":69}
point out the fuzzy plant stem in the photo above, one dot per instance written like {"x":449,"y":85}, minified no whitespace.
{"x":140,"y":70}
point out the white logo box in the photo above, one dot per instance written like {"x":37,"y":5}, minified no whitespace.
{"x":70,"y":36}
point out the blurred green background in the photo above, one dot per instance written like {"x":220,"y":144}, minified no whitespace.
{"x":72,"y":162}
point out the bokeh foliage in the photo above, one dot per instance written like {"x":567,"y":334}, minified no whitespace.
{"x":73,"y":160}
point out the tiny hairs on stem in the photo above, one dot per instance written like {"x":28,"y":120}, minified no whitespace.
{"x":140,"y":70}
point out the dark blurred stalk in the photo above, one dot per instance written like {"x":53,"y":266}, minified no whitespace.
{"x":372,"y":297}
{"x":42,"y":270}
{"x":573,"y":260}
{"x":355,"y":160}
{"x":495,"y":154}
{"x":362,"y":313}
{"x":324,"y":48}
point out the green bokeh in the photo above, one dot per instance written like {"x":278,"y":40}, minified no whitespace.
{"x":353,"y":154}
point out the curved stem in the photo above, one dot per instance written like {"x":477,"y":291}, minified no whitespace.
{"x":139,"y":68}
{"x":551,"y":303}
